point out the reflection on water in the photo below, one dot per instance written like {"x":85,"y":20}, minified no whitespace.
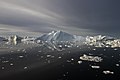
{"x":63,"y":60}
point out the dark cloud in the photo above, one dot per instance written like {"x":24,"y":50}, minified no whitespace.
{"x":73,"y":15}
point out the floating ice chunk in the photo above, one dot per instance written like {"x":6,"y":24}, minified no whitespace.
{"x":3,"y":67}
{"x":91,"y":58}
{"x":115,"y":49}
{"x":94,"y":49}
{"x":5,"y":61}
{"x":77,"y":46}
{"x":79,"y":62}
{"x":52,"y":56}
{"x":48,"y":55}
{"x":60,"y":46}
{"x":11,"y":64}
{"x":96,"y":67}
{"x":72,"y":59}
{"x":104,"y":49}
{"x":68,"y":61}
{"x":39,"y":51}
{"x":23,"y":50}
{"x":25,"y":67}
{"x":59,"y":57}
{"x":117,"y":65}
{"x":21,"y":56}
{"x":108,"y":72}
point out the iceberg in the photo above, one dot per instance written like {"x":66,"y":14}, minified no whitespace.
{"x":57,"y":36}
{"x":14,"y":38}
{"x":59,"y":40}
{"x":60,"y":36}
{"x":91,"y":58}
{"x":102,"y":41}
{"x":28,"y":39}
{"x":108,"y":72}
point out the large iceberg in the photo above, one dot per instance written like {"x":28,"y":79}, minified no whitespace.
{"x":60,"y":36}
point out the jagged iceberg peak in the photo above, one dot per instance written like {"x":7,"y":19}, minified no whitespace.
{"x":57,"y":36}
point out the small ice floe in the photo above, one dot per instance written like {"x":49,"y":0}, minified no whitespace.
{"x":79,"y":62}
{"x":115,"y":49}
{"x":68,"y":61}
{"x":52,"y":56}
{"x":48,"y":55}
{"x":66,"y":45}
{"x":5,"y":61}
{"x":107,"y":46}
{"x":94,"y":49}
{"x":72,"y":59}
{"x":11,"y":64}
{"x":77,"y":46}
{"x":60,"y":46}
{"x":21,"y":56}
{"x":64,"y":75}
{"x":25,"y":67}
{"x":2,"y":67}
{"x":59,"y":57}
{"x":39,"y":51}
{"x":69,"y":46}
{"x":104,"y":49}
{"x":108,"y":72}
{"x":95,"y":67}
{"x":23,"y":50}
{"x":91,"y":58}
{"x":117,"y":65}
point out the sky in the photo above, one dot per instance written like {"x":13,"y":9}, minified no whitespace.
{"x":74,"y":16}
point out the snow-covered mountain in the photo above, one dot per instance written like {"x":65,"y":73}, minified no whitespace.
{"x":59,"y":36}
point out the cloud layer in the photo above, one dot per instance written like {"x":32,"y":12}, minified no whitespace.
{"x":72,"y":16}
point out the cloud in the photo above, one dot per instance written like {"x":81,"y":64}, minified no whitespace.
{"x":72,"y":16}
{"x":8,"y":28}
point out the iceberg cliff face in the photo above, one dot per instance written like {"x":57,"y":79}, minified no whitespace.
{"x":57,"y":36}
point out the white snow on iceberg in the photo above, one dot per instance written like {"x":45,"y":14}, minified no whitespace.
{"x":102,"y":41}
{"x":60,"y":36}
